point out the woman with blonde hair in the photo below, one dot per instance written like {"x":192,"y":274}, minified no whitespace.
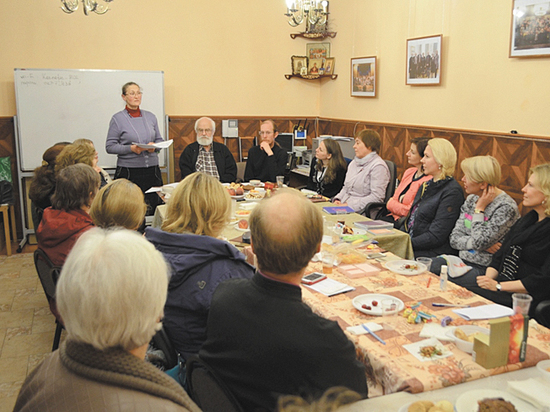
{"x":198,"y":211}
{"x":328,"y":169}
{"x":73,"y":154}
{"x":120,"y":203}
{"x":522,"y":264}
{"x":436,"y":206}
{"x":105,"y":178}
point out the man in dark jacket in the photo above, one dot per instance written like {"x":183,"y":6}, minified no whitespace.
{"x":207,"y":156}
{"x":262,"y":340}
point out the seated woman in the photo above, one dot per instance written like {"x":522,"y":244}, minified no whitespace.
{"x":400,"y":203}
{"x":436,"y":206}
{"x":367,"y":177}
{"x":111,"y":310}
{"x":105,"y":178}
{"x":485,"y":217}
{"x":119,"y":204}
{"x":43,"y":183}
{"x":198,"y":211}
{"x":522,"y":264}
{"x":328,"y":169}
{"x":68,"y":217}
{"x":75,"y":153}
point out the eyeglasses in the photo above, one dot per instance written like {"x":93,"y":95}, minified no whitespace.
{"x":206,"y":131}
{"x":134,"y":94}
{"x":265,"y":133}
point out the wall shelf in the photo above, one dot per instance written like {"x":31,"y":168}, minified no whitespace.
{"x":314,"y":36}
{"x":311,"y":77}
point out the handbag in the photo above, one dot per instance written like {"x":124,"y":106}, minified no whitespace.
{"x":6,"y":192}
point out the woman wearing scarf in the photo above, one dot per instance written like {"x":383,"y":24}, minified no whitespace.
{"x":367,"y":176}
{"x":522,"y":264}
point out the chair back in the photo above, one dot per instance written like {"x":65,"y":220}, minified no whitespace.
{"x":241,"y":166}
{"x":390,"y":189}
{"x":47,"y":272}
{"x":162,"y":342}
{"x":290,"y":165}
{"x":207,"y":390}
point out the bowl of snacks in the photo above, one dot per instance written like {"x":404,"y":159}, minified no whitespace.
{"x":464,"y":336}
{"x":544,"y":368}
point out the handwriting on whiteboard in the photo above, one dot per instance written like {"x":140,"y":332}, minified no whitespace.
{"x":47,"y":79}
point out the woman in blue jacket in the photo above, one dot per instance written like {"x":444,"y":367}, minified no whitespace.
{"x":436,"y":206}
{"x":197,"y":213}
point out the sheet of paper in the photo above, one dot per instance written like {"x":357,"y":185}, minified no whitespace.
{"x":161,"y":145}
{"x":484,"y":312}
{"x":360,"y":330}
{"x":330,"y":287}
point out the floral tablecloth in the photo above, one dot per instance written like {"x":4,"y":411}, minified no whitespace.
{"x":391,"y":368}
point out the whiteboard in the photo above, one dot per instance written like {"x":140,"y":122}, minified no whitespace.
{"x":55,"y":105}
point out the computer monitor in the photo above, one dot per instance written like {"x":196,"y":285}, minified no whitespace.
{"x":286,"y":141}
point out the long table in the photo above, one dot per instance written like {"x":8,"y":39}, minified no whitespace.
{"x":391,"y":368}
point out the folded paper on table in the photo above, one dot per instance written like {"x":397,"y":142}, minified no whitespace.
{"x":360,"y":330}
{"x":484,"y":312}
{"x":533,"y":391}
{"x":161,"y":145}
{"x":330,"y":287}
{"x":338,"y":210}
{"x":374,"y":224}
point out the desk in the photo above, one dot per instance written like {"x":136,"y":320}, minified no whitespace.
{"x":390,"y":368}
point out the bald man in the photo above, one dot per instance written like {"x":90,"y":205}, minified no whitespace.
{"x":262,"y":340}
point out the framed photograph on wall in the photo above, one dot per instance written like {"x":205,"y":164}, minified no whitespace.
{"x":424,"y":60}
{"x":530,"y":32}
{"x":299,"y":63}
{"x":363,"y":76}
{"x":315,"y":66}
{"x":318,"y":50}
{"x":329,"y":65}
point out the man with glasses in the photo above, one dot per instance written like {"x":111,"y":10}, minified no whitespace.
{"x":207,"y":156}
{"x":268,"y":160}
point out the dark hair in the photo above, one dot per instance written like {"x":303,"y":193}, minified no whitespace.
{"x":76,"y":187}
{"x":370,"y":139}
{"x":43,"y":182}
{"x":335,"y":163}
{"x":125,"y":87}
{"x":421,"y":143}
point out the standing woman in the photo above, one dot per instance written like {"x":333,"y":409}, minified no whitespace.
{"x":328,"y":169}
{"x":400,"y":203}
{"x":129,"y":126}
{"x":436,"y":206}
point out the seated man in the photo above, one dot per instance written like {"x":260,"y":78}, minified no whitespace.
{"x":268,"y":160}
{"x":207,"y":156}
{"x":262,"y":340}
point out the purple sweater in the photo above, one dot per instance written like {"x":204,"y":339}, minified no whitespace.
{"x":125,"y":130}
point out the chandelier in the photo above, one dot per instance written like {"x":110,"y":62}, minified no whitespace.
{"x":313,"y":12}
{"x":70,"y":6}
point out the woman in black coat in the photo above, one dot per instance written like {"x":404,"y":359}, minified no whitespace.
{"x":328,"y":169}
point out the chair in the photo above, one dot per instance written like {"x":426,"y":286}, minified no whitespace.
{"x":542,"y":313}
{"x":290,"y":164}
{"x":372,"y":208}
{"x":161,"y":342}
{"x":48,"y":274}
{"x":207,"y":390}
{"x":241,"y":166}
{"x":6,"y":209}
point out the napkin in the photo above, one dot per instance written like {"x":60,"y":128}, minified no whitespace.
{"x":531,"y":390}
{"x":360,"y":330}
{"x":435,"y":330}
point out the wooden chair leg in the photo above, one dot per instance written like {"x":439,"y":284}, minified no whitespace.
{"x":7,"y":229}
{"x":13,"y":226}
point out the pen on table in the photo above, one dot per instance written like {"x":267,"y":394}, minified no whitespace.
{"x":378,"y":338}
{"x":449,"y":305}
{"x":429,"y":280}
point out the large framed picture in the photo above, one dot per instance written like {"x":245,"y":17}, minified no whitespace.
{"x":424,"y":60}
{"x":299,"y":65}
{"x":318,"y":50}
{"x":530,"y":32}
{"x":363,"y":76}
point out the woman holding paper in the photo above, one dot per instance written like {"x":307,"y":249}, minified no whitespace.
{"x":522,"y":264}
{"x":128,"y":129}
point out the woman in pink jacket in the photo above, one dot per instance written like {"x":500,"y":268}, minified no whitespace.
{"x":400,"y":203}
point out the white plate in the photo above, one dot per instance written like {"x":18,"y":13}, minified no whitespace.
{"x":467,"y":402}
{"x":414,"y":349}
{"x":398,"y":266}
{"x":252,"y":184}
{"x":367,"y":299}
{"x":356,"y":231}
{"x":237,"y":197}
{"x":241,"y":230}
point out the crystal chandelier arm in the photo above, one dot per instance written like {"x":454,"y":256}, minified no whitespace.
{"x":69,"y":6}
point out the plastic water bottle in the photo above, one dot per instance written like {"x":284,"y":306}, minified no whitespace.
{"x":443,"y":278}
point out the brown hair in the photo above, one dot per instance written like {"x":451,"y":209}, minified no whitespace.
{"x":120,"y":203}
{"x":332,"y":400}
{"x":199,"y":205}
{"x":43,"y":182}
{"x":286,"y":231}
{"x":370,"y":138}
{"x":76,"y":187}
{"x":275,"y":130}
{"x":125,"y":87}
{"x":73,"y":154}
{"x":335,"y":163}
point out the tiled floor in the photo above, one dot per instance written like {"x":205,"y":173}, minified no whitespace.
{"x":26,"y":325}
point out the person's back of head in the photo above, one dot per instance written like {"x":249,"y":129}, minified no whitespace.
{"x":76,"y":186}
{"x":73,"y":154}
{"x":199,"y":205}
{"x":286,"y":231}
{"x":43,"y":182}
{"x":120,"y":203}
{"x":112,"y":289}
